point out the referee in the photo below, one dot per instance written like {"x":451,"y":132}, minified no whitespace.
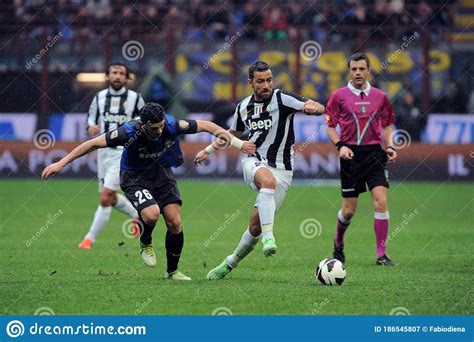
{"x":365,"y":117}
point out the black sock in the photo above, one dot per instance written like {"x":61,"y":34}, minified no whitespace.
{"x":145,"y":237}
{"x":174,"y":245}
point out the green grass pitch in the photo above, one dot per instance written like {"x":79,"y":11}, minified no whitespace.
{"x":431,"y":240}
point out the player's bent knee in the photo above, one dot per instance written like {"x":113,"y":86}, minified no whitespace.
{"x":268,"y":182}
{"x":107,"y":197}
{"x":174,"y":225}
{"x":265,"y":179}
{"x":150,"y":215}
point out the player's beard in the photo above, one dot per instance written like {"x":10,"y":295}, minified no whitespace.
{"x":265,"y":96}
{"x":117,"y":85}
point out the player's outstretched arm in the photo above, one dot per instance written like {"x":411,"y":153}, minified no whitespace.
{"x":225,"y":138}
{"x":313,"y":108}
{"x":246,"y":147}
{"x":79,"y":151}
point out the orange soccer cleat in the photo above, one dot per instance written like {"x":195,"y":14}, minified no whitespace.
{"x":86,"y":244}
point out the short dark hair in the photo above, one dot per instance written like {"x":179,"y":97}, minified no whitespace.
{"x":358,"y":57}
{"x":128,"y":71}
{"x":152,"y":113}
{"x":257,"y":66}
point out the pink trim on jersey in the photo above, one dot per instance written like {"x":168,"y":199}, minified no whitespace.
{"x":361,"y":115}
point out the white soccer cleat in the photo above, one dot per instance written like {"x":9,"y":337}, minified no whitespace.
{"x":176,"y":275}
{"x":148,"y":255}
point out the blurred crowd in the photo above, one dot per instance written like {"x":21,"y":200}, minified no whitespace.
{"x":201,"y":19}
{"x":198,"y":21}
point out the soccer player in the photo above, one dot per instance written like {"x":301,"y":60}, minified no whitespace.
{"x":268,"y":115}
{"x":365,"y":117}
{"x":110,"y":109}
{"x":151,"y":148}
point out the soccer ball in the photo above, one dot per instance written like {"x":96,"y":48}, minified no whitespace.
{"x":331,"y":272}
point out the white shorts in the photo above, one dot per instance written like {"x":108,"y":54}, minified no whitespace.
{"x":108,"y":168}
{"x":283,"y":178}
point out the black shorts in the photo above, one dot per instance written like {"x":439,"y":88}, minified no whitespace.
{"x":367,"y":167}
{"x":146,"y":188}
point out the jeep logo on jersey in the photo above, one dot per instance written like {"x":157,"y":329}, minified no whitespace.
{"x":260,"y":124}
{"x":117,"y":118}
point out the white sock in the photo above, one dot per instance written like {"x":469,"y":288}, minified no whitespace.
{"x":245,"y":246}
{"x":102,"y":215}
{"x":123,"y":205}
{"x":266,"y":211}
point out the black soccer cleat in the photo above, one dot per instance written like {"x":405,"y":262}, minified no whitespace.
{"x":385,"y":261}
{"x":338,"y":253}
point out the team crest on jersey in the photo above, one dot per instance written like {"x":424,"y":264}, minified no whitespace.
{"x":114,"y":134}
{"x":184,"y":125}
{"x":362,"y":107}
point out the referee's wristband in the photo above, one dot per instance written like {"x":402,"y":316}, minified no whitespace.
{"x":210,"y":149}
{"x":339,"y":145}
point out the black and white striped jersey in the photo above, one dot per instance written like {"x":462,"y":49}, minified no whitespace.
{"x":270,"y":124}
{"x":111,"y":108}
